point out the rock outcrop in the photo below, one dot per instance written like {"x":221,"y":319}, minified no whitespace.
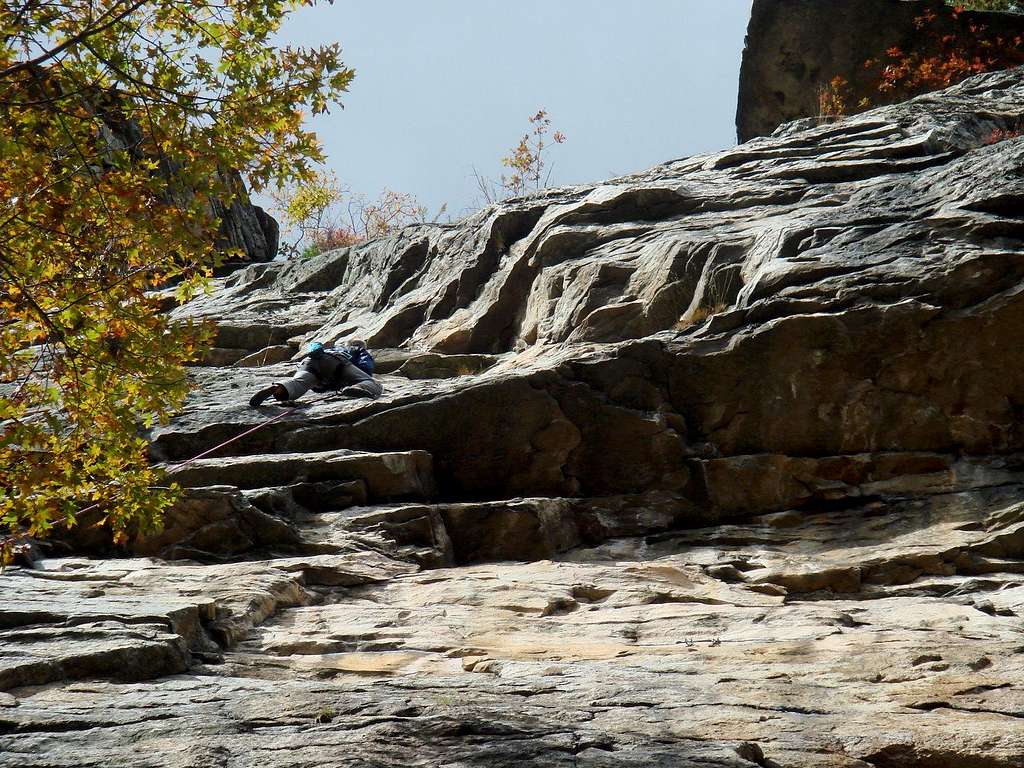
{"x":243,"y":226}
{"x":795,"y":47}
{"x":246,"y":227}
{"x":720,"y":464}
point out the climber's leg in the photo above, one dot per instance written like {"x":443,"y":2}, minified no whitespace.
{"x":306,"y":378}
{"x":276,"y":390}
{"x":358,"y":383}
{"x":298,"y":385}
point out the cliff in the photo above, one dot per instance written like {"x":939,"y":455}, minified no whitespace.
{"x":718,"y":464}
{"x":795,"y":47}
{"x":242,"y":226}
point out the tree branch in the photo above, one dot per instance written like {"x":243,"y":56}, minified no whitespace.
{"x":73,"y":40}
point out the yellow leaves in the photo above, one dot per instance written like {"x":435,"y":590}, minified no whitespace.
{"x":526,"y":161}
{"x":341,"y":79}
{"x":112,"y":197}
{"x":10,"y":409}
{"x":306,"y":203}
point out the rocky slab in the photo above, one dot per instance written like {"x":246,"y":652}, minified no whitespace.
{"x":718,"y":464}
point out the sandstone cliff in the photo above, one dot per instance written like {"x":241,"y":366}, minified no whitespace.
{"x":719,"y":464}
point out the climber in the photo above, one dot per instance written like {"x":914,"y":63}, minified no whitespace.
{"x":349,"y":369}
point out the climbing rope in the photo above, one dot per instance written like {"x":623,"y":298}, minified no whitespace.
{"x":10,"y":542}
{"x":229,"y":441}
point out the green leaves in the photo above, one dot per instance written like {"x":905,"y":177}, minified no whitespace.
{"x":114,"y":146}
{"x":986,"y":5}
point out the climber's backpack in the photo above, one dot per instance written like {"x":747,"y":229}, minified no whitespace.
{"x":361,"y":359}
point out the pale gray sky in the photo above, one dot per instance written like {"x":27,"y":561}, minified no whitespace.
{"x":447,"y":85}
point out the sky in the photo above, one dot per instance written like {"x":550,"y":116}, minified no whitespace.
{"x":447,"y":86}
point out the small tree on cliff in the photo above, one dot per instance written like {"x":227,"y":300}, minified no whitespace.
{"x":118,"y":120}
{"x":326,"y":215}
{"x":529,"y":168}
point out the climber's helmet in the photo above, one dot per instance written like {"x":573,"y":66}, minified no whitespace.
{"x":316,"y":349}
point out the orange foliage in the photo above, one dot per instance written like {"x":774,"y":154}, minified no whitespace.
{"x":833,"y":99}
{"x":331,"y":237}
{"x":945,"y":58}
{"x":999,"y":135}
{"x":947,"y":51}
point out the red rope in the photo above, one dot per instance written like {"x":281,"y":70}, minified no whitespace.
{"x":215,"y":448}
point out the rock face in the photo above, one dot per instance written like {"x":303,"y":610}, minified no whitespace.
{"x":246,"y":227}
{"x":720,"y":464}
{"x":243,"y":226}
{"x":795,"y":47}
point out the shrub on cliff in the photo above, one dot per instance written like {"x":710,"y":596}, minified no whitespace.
{"x":117,"y":118}
{"x":948,"y":49}
{"x":527,"y":163}
{"x":326,"y":216}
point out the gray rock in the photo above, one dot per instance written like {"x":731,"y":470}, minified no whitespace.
{"x":246,"y":227}
{"x":434,"y":366}
{"x":215,"y":522}
{"x":385,"y":475}
{"x":738,"y":482}
{"x":613,"y":656}
{"x":267,"y":356}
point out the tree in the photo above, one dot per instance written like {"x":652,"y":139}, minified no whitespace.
{"x":309,"y":210}
{"x":389,"y":212}
{"x":314,"y":209}
{"x":986,"y":5}
{"x":526,"y":163}
{"x":121,"y":121}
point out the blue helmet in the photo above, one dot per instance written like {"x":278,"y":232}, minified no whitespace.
{"x":316,"y":346}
